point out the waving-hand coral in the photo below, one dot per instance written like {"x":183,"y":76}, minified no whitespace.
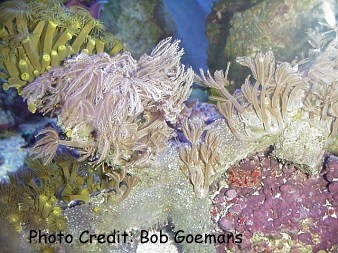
{"x":199,"y":159}
{"x":118,"y":105}
{"x":270,"y":98}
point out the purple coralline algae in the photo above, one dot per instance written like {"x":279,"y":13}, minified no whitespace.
{"x":289,"y":209}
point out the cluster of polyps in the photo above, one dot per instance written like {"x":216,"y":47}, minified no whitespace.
{"x":114,"y":109}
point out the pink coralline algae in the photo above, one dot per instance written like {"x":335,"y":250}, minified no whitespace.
{"x":272,"y":200}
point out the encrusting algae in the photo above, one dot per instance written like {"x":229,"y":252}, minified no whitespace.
{"x":121,"y":164}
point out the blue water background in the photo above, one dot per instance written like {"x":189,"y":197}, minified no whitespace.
{"x":190,"y":17}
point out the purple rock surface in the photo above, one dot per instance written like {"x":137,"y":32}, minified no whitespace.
{"x":266,"y":197}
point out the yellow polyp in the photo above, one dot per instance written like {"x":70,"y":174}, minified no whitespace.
{"x":21,"y":52}
{"x":90,"y":46}
{"x":47,"y":208}
{"x":14,"y":218}
{"x":45,"y":61}
{"x":85,"y":192}
{"x":30,"y":71}
{"x":85,"y":51}
{"x":25,"y":61}
{"x":19,"y":90}
{"x":49,"y":35}
{"x":23,"y":66}
{"x":6,"y":86}
{"x":62,"y":40}
{"x":52,"y":200}
{"x":32,"y":54}
{"x":116,"y":49}
{"x":25,"y":76}
{"x":96,"y":210}
{"x":4,"y":49}
{"x":21,"y":25}
{"x":3,"y":32}
{"x":82,"y":36}
{"x":14,"y":82}
{"x":10,"y":27}
{"x":69,"y":51}
{"x":99,"y":46}
{"x":37,"y":33}
{"x":3,"y":75}
{"x":36,"y":72}
{"x":69,"y":133}
{"x":57,"y":211}
{"x":54,"y":59}
{"x":77,"y":24}
{"x":62,"y":52}
{"x":32,"y":108}
{"x":43,"y":199}
{"x":11,"y":66}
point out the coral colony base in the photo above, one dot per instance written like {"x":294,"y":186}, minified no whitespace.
{"x":130,"y":157}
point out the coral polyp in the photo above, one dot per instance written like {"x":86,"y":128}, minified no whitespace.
{"x":115,"y":107}
{"x":38,"y":35}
